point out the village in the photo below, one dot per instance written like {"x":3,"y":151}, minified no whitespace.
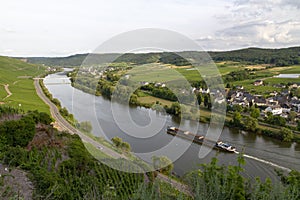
{"x":276,"y":103}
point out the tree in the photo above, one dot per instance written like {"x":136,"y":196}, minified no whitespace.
{"x":18,"y":132}
{"x":86,"y":126}
{"x":287,"y":135}
{"x":120,"y":144}
{"x":276,"y":120}
{"x":133,"y":99}
{"x":44,"y":118}
{"x":237,"y":108}
{"x":297,"y":92}
{"x":292,"y":116}
{"x":56,"y":102}
{"x":125,"y":146}
{"x":117,"y":141}
{"x":250,"y":104}
{"x":254,"y":112}
{"x":228,"y":85}
{"x":199,"y":98}
{"x":64,"y":112}
{"x":250,"y":123}
{"x":206,"y":100}
{"x":236,"y":120}
{"x":175,"y":109}
{"x":163,"y":164}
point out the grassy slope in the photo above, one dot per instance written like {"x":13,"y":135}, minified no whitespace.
{"x":17,"y":74}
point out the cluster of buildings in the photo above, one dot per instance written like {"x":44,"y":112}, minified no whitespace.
{"x":51,"y":69}
{"x":97,"y":71}
{"x":278,"y":103}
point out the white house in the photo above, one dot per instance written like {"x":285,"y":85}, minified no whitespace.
{"x":275,"y":110}
{"x":258,"y":82}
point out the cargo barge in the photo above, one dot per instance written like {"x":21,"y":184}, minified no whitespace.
{"x":199,"y":139}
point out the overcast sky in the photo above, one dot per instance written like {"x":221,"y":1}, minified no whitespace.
{"x":65,"y":27}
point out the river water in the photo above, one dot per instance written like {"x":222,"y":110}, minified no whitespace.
{"x":262,"y":154}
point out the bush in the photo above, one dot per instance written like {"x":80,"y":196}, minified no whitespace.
{"x":287,"y":134}
{"x":18,"y":132}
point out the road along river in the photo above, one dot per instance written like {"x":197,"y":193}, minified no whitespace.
{"x":262,"y":154}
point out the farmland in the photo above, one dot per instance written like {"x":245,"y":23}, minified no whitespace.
{"x":267,"y":75}
{"x":18,"y":75}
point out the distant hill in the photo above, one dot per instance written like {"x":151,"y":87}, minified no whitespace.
{"x":278,"y":57}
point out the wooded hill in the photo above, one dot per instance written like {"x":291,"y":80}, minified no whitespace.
{"x":277,"y":57}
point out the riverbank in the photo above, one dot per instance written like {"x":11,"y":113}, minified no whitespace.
{"x":96,"y":144}
{"x":203,"y":116}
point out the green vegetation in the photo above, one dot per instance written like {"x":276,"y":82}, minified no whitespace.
{"x":85,"y":126}
{"x":163,"y":164}
{"x":276,"y":120}
{"x":277,"y":57}
{"x":249,"y":123}
{"x":119,"y":143}
{"x":20,"y":132}
{"x":60,"y":167}
{"x":213,"y":182}
{"x":154,"y":101}
{"x":158,"y":97}
{"x":95,"y":152}
{"x":58,"y":163}
{"x":159,"y":190}
{"x":18,"y":75}
{"x":287,"y":134}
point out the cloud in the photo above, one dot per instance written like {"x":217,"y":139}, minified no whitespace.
{"x":8,"y":30}
{"x":270,"y":23}
{"x":262,"y":34}
{"x":35,"y":28}
{"x":293,"y":3}
{"x":266,"y":31}
{"x":267,"y":3}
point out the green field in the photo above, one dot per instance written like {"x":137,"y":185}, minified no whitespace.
{"x":152,"y":100}
{"x":292,"y":70}
{"x":267,"y":75}
{"x":157,"y":72}
{"x":18,"y":75}
{"x":3,"y":93}
{"x":176,"y":75}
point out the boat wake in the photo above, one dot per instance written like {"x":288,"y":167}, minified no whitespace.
{"x":265,"y":162}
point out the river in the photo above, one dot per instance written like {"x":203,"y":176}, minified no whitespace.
{"x":262,"y":154}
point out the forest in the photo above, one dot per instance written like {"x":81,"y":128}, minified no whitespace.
{"x":275,"y":57}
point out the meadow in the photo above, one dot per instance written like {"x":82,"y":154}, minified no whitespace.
{"x":267,"y":75}
{"x":153,"y":100}
{"x":167,"y":73}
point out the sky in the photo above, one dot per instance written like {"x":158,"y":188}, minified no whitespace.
{"x":66,"y":27}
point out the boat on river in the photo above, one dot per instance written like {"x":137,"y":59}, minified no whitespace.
{"x":225,"y":147}
{"x":185,"y":134}
{"x":200,"y":139}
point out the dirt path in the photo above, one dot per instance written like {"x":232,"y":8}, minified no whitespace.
{"x":7,"y":91}
{"x":15,"y":82}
